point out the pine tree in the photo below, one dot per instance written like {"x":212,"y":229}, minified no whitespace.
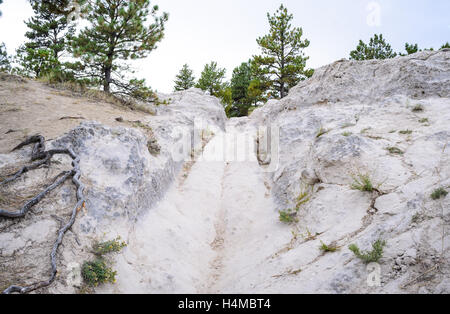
{"x":259,"y":89}
{"x":225,"y":95}
{"x":5,"y":64}
{"x":37,"y":62}
{"x":185,"y":79}
{"x":410,"y":48}
{"x":248,"y":89}
{"x":48,"y":30}
{"x":240,"y":83}
{"x":60,"y":7}
{"x":282,"y":59}
{"x":377,"y":49}
{"x":118,"y":31}
{"x":446,"y":45}
{"x":211,"y":79}
{"x":48,"y":37}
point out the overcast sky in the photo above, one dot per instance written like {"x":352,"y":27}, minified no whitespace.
{"x":225,"y":31}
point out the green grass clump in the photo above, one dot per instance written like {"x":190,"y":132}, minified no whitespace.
{"x":347,"y":134}
{"x":97,"y":272}
{"x":363,"y":183}
{"x":439,"y":193}
{"x":424,"y":120}
{"x":288,"y":216}
{"x":112,"y":246}
{"x":139,"y":124}
{"x":395,"y":150}
{"x":416,"y":218}
{"x":302,"y":199}
{"x":406,"y":132}
{"x":328,"y":248}
{"x":418,"y":108}
{"x":322,"y":132}
{"x":347,"y":125}
{"x":369,"y":256}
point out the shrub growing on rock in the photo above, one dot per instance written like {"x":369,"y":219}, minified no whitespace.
{"x":369,"y":256}
{"x":112,"y":246}
{"x":439,"y":193}
{"x":97,"y":272}
{"x":363,"y":182}
{"x":328,"y":248}
{"x":395,"y":150}
{"x":288,"y":216}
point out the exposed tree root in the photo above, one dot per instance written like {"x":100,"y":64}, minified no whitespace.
{"x":28,"y":205}
{"x":71,"y":118}
{"x":40,"y":157}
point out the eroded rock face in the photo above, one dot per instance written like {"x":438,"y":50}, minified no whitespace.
{"x":387,"y":120}
{"x":126,"y":171}
{"x":390,"y":120}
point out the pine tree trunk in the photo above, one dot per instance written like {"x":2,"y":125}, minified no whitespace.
{"x":282,"y":91}
{"x":107,"y":81}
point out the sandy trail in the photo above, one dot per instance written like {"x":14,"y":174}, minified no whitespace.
{"x":207,"y":233}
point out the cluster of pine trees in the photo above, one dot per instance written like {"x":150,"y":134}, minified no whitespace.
{"x":119,"y":31}
{"x":280,"y":66}
{"x":97,"y":55}
{"x":378,"y":48}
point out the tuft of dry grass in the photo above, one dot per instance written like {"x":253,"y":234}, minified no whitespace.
{"x":418,"y":108}
{"x":395,"y":150}
{"x":81,"y":90}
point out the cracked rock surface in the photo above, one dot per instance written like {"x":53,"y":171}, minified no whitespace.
{"x":366,"y":109}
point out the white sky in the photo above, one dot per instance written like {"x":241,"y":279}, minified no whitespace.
{"x":200,"y":31}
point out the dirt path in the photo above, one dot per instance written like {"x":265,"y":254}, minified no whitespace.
{"x":208,"y":232}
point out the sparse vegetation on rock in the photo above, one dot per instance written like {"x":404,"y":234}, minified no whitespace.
{"x":288,"y":216}
{"x":328,"y":248}
{"x":111,"y":246}
{"x":321,"y":132}
{"x":363,"y":182}
{"x":395,"y":150}
{"x":369,"y":256}
{"x":98,"y":271}
{"x":439,"y":193}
